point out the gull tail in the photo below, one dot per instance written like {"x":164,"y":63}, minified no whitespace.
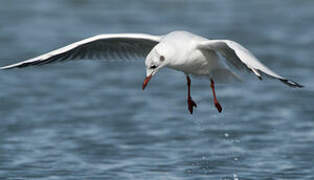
{"x":224,"y":76}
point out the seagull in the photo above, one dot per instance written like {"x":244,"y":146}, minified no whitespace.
{"x":179,"y":50}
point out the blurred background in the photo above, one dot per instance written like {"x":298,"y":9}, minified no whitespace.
{"x":91,"y":120}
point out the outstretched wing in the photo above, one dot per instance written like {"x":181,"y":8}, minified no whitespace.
{"x":240,"y":57}
{"x":106,"y":46}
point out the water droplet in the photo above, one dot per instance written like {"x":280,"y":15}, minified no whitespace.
{"x":235,"y":177}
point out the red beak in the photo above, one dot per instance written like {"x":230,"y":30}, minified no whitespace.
{"x":146,"y":80}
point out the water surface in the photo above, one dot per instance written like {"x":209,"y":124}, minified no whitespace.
{"x":91,"y":120}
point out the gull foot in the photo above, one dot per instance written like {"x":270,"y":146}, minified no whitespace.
{"x":218,"y":106}
{"x":191,"y":104}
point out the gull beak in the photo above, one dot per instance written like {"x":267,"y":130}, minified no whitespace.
{"x":149,"y":75}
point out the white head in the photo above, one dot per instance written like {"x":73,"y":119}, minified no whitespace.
{"x":158,"y":58}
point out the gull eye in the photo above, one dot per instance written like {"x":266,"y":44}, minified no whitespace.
{"x":162,"y":58}
{"x":153,"y":66}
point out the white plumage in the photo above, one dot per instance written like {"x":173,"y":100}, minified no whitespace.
{"x":179,"y":50}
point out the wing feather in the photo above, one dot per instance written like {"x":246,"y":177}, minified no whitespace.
{"x":242,"y":58}
{"x":106,"y":46}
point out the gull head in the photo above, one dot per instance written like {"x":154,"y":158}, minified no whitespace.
{"x":158,"y":58}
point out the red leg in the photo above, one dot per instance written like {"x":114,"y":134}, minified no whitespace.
{"x":212,"y":85}
{"x":191,"y":103}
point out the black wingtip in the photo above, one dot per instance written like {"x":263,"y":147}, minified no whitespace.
{"x":291,"y":83}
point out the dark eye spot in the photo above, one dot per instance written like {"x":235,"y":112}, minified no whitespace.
{"x":162,"y":58}
{"x":153,"y":66}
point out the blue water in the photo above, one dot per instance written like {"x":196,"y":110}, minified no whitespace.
{"x":91,"y":120}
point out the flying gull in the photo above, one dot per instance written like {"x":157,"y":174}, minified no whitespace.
{"x":179,"y":50}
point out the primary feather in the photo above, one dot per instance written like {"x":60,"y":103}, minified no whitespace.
{"x":241,"y":58}
{"x":107,"y":46}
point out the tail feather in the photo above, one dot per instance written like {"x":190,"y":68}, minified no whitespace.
{"x":224,"y":76}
